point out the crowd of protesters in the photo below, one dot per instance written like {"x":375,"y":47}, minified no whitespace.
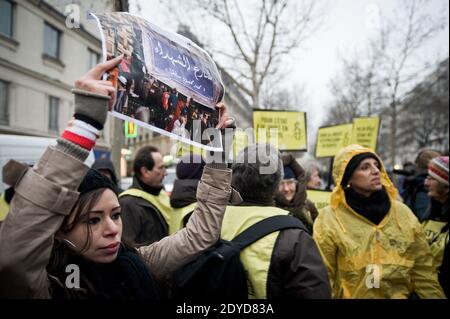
{"x":370,"y":242}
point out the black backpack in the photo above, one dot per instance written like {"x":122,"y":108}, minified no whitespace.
{"x":218,"y":272}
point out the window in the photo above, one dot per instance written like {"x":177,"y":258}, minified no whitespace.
{"x":94,"y":58}
{"x":6,"y":18}
{"x":53,"y":113}
{"x":4,"y":116}
{"x":51,"y":41}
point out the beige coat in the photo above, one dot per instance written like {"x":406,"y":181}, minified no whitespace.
{"x":47,"y":193}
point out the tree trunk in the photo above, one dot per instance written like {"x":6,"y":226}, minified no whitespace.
{"x":393,"y":146}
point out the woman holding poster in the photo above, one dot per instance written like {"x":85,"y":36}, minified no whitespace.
{"x":62,"y":237}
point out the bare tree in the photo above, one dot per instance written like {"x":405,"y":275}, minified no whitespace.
{"x":399,"y":40}
{"x":356,"y":89}
{"x":261,"y":33}
{"x":277,"y":97}
{"x":375,"y":82}
{"x":424,"y":113}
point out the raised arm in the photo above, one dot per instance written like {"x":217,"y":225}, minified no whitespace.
{"x":46,"y":193}
{"x":214,"y":193}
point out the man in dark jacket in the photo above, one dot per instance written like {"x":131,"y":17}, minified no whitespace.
{"x":106,"y":167}
{"x":183,"y":199}
{"x":145,"y":205}
{"x":282,"y":265}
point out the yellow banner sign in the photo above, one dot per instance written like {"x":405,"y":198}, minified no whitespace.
{"x":184,"y":149}
{"x":320,"y":198}
{"x":332,"y":138}
{"x":365,"y":132}
{"x":290,"y":127}
{"x":240,"y":141}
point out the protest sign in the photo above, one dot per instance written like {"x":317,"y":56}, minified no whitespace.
{"x":331,"y":139}
{"x":165,"y":82}
{"x":240,"y":141}
{"x":365,"y":132}
{"x":289,"y":125}
{"x":320,"y":199}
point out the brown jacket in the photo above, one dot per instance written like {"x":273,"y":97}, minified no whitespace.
{"x":47,"y":193}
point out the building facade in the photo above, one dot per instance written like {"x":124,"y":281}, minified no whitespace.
{"x":41,"y":55}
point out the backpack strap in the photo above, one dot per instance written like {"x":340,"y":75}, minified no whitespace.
{"x":266,"y":227}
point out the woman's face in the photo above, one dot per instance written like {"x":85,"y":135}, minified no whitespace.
{"x":105,"y":223}
{"x":288,"y":187}
{"x":436,"y":191}
{"x":314,"y":181}
{"x":366,"y":178}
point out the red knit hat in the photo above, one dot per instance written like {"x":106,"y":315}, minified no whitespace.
{"x":438,"y":169}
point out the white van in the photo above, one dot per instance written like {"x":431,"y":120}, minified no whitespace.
{"x":25,"y":149}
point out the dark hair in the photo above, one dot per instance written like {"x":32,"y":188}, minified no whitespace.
{"x":424,"y":157}
{"x":144,"y":158}
{"x":80,"y":213}
{"x":253,"y":186}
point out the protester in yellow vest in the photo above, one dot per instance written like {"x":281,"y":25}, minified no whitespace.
{"x":4,"y":208}
{"x":184,"y":194}
{"x":436,"y":223}
{"x":285,"y":264}
{"x":146,"y":209}
{"x":372,"y":244}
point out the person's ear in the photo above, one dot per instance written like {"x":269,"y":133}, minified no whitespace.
{"x":143,"y":170}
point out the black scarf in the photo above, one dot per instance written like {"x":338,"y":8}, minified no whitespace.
{"x":374,"y":208}
{"x":127,"y":277}
{"x":149,"y":189}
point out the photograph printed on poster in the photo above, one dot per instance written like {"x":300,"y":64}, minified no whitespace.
{"x":165,"y":82}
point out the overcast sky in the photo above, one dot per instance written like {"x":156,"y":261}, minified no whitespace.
{"x":347,"y":27}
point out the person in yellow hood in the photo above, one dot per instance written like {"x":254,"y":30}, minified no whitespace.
{"x":372,"y":245}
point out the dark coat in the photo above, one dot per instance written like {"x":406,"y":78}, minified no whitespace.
{"x":297,"y":270}
{"x":143,"y":223}
{"x":415,"y":195}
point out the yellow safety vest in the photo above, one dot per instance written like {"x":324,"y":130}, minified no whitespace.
{"x":4,"y":207}
{"x":177,"y":217}
{"x":436,"y":239}
{"x":256,"y":257}
{"x":161,"y":202}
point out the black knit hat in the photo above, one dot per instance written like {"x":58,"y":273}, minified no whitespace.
{"x":190,"y":167}
{"x":353,"y":165}
{"x":289,"y":173}
{"x":95,"y":180}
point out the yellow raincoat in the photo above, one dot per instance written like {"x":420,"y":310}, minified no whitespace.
{"x":364,"y":260}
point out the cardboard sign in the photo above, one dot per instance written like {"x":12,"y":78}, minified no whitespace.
{"x":365,"y":132}
{"x":320,"y":199}
{"x":331,"y":139}
{"x":290,"y":128}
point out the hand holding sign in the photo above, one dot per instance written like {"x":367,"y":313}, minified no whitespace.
{"x":92,"y":82}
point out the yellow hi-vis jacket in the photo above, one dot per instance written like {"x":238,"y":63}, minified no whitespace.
{"x":256,"y":257}
{"x":436,"y":239}
{"x":177,"y":217}
{"x":161,"y":202}
{"x":4,"y":207}
{"x":364,"y":260}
